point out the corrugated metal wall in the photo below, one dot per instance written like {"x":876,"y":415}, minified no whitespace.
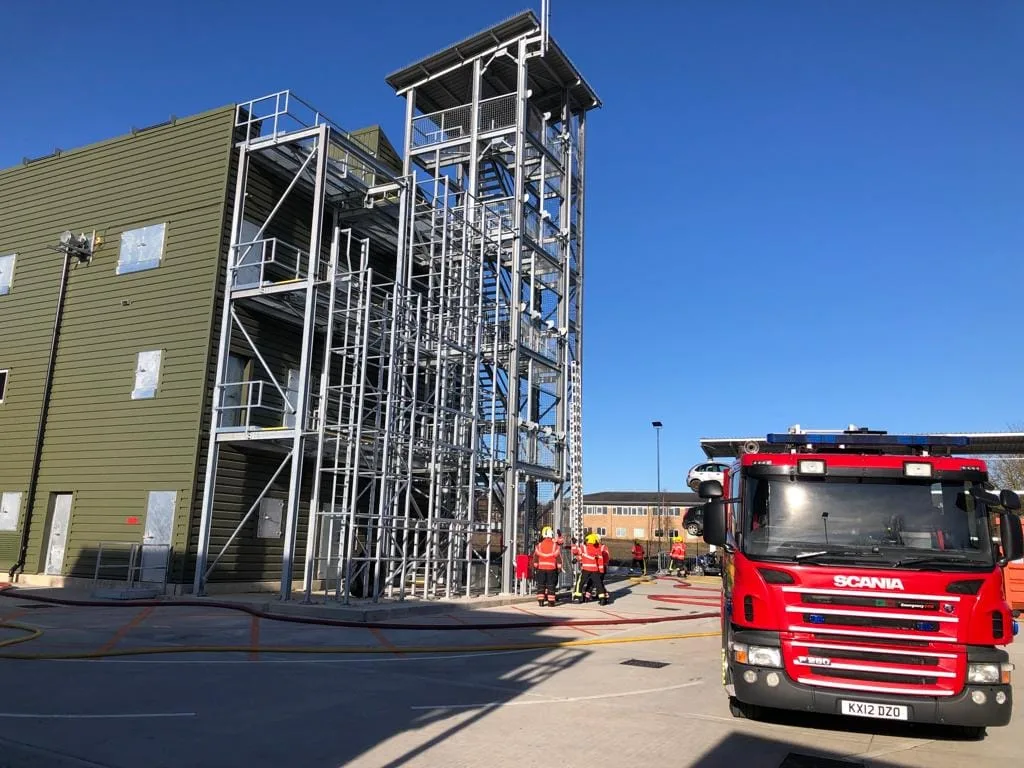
{"x":103,"y":446}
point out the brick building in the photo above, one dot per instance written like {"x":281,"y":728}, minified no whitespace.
{"x":645,"y":515}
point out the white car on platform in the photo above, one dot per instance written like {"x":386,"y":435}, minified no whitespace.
{"x":710,"y":470}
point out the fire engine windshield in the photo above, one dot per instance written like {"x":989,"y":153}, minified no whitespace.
{"x":883,"y":519}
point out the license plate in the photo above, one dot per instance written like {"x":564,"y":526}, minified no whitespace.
{"x":878,"y":711}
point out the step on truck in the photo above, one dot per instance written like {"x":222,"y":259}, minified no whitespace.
{"x":862,"y":575}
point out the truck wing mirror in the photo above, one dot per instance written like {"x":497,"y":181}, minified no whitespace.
{"x":710,"y":489}
{"x":714,"y":520}
{"x":1011,"y":536}
{"x":1009,"y":499}
{"x":985,"y":497}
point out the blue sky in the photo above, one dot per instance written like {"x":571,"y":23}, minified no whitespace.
{"x":798,"y":211}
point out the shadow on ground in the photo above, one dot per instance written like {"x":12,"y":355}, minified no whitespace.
{"x":266,"y":709}
{"x":750,"y":751}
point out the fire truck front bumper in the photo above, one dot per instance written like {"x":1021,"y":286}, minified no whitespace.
{"x":976,"y":705}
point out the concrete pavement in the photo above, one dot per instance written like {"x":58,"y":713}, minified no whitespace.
{"x":574,"y":705}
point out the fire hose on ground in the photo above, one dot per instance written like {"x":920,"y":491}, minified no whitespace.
{"x":33,"y":633}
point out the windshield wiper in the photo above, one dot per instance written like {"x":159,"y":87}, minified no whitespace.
{"x":936,"y":560}
{"x":828,"y":553}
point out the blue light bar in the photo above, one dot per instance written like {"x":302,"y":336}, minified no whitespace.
{"x":860,"y":439}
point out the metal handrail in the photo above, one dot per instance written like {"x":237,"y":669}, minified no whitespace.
{"x":134,"y":567}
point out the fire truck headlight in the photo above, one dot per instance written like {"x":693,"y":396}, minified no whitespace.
{"x":757,"y":655}
{"x":983,"y":674}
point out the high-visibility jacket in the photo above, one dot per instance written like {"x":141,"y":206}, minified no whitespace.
{"x":546,"y":556}
{"x":606,"y":557}
{"x":560,"y":540}
{"x":678,"y":551}
{"x":575,"y":550}
{"x":638,"y":552}
{"x":591,"y":558}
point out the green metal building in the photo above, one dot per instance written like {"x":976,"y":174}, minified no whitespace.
{"x":126,"y":401}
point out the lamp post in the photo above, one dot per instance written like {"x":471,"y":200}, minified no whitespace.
{"x":657,"y":436}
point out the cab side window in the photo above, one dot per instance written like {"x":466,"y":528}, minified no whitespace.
{"x":736,"y":505}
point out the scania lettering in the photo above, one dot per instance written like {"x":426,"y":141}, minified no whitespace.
{"x":862,"y":574}
{"x":873,"y":582}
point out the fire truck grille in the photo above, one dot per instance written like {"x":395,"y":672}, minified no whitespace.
{"x":867,"y":620}
{"x":858,"y":601}
{"x":904,"y":643}
{"x":875,"y":677}
{"x":873,"y":657}
{"x":873,"y":642}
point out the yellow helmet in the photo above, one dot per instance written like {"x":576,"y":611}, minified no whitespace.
{"x":592,"y":538}
{"x":678,"y":538}
{"x":547,"y":533}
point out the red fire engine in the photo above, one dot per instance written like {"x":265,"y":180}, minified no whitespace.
{"x":862,"y":576}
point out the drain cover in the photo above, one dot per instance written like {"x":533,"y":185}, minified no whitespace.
{"x":665,"y":608}
{"x":800,"y":760}
{"x":651,"y":664}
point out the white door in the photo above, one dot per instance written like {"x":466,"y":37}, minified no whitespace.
{"x":156,"y":539}
{"x":59,"y":524}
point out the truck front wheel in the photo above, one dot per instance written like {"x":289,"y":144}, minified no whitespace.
{"x":742,"y":710}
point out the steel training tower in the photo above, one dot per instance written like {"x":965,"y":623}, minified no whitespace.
{"x":433,"y":422}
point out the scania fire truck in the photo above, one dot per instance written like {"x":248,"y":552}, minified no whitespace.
{"x":862,"y":575}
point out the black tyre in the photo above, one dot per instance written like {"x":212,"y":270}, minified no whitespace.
{"x":743,"y":711}
{"x":694,"y":485}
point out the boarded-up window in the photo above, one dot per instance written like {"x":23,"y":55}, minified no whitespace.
{"x":6,"y":273}
{"x":141,"y":248}
{"x":271,"y":512}
{"x":147,"y":374}
{"x":10,"y":510}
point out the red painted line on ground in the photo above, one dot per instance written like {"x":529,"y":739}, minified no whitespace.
{"x":609,"y":613}
{"x":126,"y":628}
{"x":677,"y":599}
{"x":382,"y":639}
{"x":254,"y":638}
{"x":531,"y":613}
{"x":15,"y":614}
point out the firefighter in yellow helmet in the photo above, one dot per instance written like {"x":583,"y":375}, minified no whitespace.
{"x":678,"y":556}
{"x":547,"y":563}
{"x":594,"y":557}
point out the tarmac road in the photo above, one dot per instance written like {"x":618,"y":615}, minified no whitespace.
{"x":571,"y":706}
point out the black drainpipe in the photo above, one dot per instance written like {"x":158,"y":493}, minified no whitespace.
{"x":43,"y":411}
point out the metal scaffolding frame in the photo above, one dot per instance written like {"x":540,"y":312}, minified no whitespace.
{"x":440,"y":316}
{"x":501,"y":118}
